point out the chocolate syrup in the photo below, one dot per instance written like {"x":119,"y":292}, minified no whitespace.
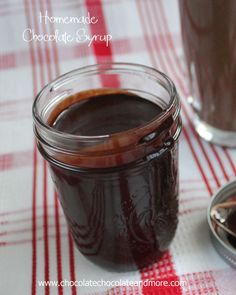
{"x":231,"y":224}
{"x":107,"y":114}
{"x":123,"y":216}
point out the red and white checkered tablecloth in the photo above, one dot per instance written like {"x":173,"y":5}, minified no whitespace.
{"x":35,"y":244}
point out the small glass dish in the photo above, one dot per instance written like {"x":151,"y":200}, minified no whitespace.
{"x":223,"y":241}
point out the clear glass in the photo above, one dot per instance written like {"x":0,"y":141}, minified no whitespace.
{"x":121,"y":204}
{"x":208,"y":32}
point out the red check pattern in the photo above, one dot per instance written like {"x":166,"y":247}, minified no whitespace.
{"x":34,"y":240}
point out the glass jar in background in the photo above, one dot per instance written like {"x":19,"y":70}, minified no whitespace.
{"x":118,"y":191}
{"x":209,"y":39}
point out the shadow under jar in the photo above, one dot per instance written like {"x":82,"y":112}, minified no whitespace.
{"x":110,"y":134}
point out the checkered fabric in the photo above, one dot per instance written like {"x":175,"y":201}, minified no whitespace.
{"x":34,"y":241}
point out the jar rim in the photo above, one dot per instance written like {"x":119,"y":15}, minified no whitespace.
{"x":93,"y":69}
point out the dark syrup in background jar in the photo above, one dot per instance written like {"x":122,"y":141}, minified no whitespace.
{"x":120,"y":217}
{"x":208,"y":32}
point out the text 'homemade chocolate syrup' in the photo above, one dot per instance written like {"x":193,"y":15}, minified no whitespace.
{"x":123,"y":215}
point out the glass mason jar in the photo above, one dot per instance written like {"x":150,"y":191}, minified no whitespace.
{"x":208,"y":33}
{"x":119,"y":191}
